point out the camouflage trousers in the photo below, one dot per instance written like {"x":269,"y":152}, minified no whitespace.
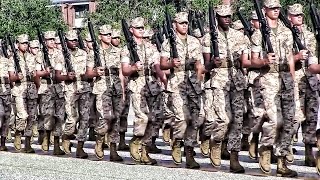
{"x":5,"y":111}
{"x":109,"y":107}
{"x":168,"y":115}
{"x":12,"y":119}
{"x":77,"y":110}
{"x":306,"y":112}
{"x":25,"y":111}
{"x":224,"y":110}
{"x":156,"y":103}
{"x":186,"y":108}
{"x":279,"y":111}
{"x":246,"y":120}
{"x":124,"y":114}
{"x":93,"y":111}
{"x":51,"y":113}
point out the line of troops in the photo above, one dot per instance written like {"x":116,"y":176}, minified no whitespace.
{"x":270,"y":99}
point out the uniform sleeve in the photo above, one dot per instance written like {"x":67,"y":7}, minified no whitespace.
{"x":256,"y":46}
{"x":165,"y":50}
{"x":11,"y":64}
{"x":90,"y":61}
{"x":125,"y":55}
{"x":206,"y":44}
{"x":155,"y":56}
{"x":39,"y":61}
{"x":311,"y":44}
{"x":197,"y":54}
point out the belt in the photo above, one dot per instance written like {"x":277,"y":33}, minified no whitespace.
{"x":227,"y":63}
{"x":112,"y":71}
{"x":275,"y":68}
{"x":186,"y":67}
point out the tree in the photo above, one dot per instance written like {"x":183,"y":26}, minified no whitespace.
{"x":22,"y":16}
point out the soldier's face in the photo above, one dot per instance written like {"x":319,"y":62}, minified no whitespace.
{"x":34,"y":50}
{"x":255,"y":23}
{"x":272,"y":13}
{"x":137,"y":31}
{"x":72,"y":44}
{"x":89,"y":45}
{"x":50,"y":43}
{"x":296,"y":19}
{"x":115,"y":41}
{"x":182,"y":27}
{"x":106,"y":38}
{"x":224,"y":21}
{"x":23,"y":46}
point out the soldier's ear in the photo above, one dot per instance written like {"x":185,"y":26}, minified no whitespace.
{"x":99,"y":37}
{"x":174,"y":25}
{"x":131,"y":29}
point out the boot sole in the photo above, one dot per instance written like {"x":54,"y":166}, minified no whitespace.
{"x":214,"y":165}
{"x":238,"y":172}
{"x":135,"y":159}
{"x":189,"y":167}
{"x":264,"y":171}
{"x":98,"y":157}
{"x":281,"y":175}
{"x":203,"y":153}
{"x":176,"y":162}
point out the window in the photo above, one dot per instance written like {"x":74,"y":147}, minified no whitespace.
{"x":81,"y":10}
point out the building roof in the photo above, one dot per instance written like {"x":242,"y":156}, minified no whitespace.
{"x":68,"y":1}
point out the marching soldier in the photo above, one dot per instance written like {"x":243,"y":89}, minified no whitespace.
{"x":24,"y":93}
{"x":51,"y":101}
{"x":277,"y":89}
{"x":77,"y":94}
{"x":184,"y":87}
{"x":34,"y":47}
{"x":108,"y":91}
{"x":144,"y":90}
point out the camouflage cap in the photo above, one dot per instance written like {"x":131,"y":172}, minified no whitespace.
{"x":57,"y":40}
{"x":148,"y":33}
{"x":34,"y":44}
{"x":181,"y":17}
{"x":88,"y":37}
{"x":105,"y":29}
{"x":49,"y":34}
{"x":137,"y":22}
{"x":295,"y":9}
{"x":237,"y":25}
{"x":254,"y":15}
{"x":272,"y":3}
{"x":224,"y":10}
{"x":197,"y":33}
{"x":22,"y":38}
{"x":116,"y":33}
{"x":72,"y":35}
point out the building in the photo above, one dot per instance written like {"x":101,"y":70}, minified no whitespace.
{"x":74,"y":11}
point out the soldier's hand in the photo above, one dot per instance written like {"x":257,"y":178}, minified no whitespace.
{"x":48,"y":71}
{"x":217,"y":61}
{"x":20,"y":76}
{"x":271,"y":58}
{"x":138,"y":66}
{"x":176,"y":62}
{"x":71,"y":75}
{"x":100,"y":71}
{"x":303,"y":54}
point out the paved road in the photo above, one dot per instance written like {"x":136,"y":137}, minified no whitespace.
{"x":45,"y":166}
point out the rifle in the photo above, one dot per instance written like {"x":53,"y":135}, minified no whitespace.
{"x":65,"y":51}
{"x":44,"y":48}
{"x":81,"y":45}
{"x":199,"y":23}
{"x":315,"y":18}
{"x":131,"y":44}
{"x":294,"y":29}
{"x":156,"y":39}
{"x":165,"y":30}
{"x":171,"y":35}
{"x":248,"y":30}
{"x":213,"y":32}
{"x":16,"y":58}
{"x":264,"y":28}
{"x":4,"y":47}
{"x":95,"y":46}
{"x":190,"y":19}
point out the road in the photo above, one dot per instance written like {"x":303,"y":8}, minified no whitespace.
{"x":20,"y":166}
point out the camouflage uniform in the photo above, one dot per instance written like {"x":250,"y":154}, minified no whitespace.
{"x":277,"y":89}
{"x":144,"y":89}
{"x":184,"y":90}
{"x":24,"y":94}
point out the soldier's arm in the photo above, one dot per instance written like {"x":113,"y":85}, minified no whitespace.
{"x":91,"y":72}
{"x":127,"y":69}
{"x":39,"y":71}
{"x":58,"y":70}
{"x":256,"y":60}
{"x":244,"y":50}
{"x":13,"y":76}
{"x":165,"y":63}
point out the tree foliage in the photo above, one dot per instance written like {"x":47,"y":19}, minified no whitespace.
{"x":22,"y":16}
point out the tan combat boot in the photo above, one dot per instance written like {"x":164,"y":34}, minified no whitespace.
{"x":245,"y":142}
{"x":205,"y":146}
{"x":27,"y":145}
{"x":66,"y":146}
{"x":153,"y":148}
{"x":46,"y":142}
{"x":80,"y":152}
{"x":235,"y":166}
{"x":9,"y":136}
{"x":283,"y":170}
{"x":3,"y":146}
{"x":215,"y":153}
{"x":309,"y":158}
{"x":98,"y":148}
{"x":122,"y":144}
{"x":135,"y":148}
{"x":114,"y":156}
{"x":35,"y":132}
{"x":56,"y":147}
{"x":145,"y":158}
{"x":265,"y":159}
{"x":253,"y":148}
{"x":190,"y":162}
{"x":225,"y":155}
{"x":176,"y":152}
{"x":17,"y":140}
